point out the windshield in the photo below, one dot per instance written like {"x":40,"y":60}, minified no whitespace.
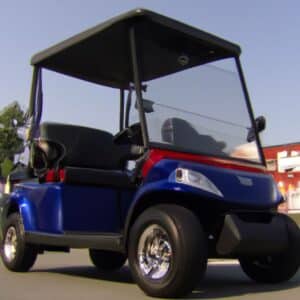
{"x":201,"y":110}
{"x":72,"y":101}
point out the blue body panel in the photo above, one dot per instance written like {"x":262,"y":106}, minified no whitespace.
{"x":40,"y":206}
{"x":58,"y":208}
{"x":249,"y":189}
{"x":90,"y":209}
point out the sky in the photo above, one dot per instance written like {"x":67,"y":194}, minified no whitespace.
{"x":267,"y":31}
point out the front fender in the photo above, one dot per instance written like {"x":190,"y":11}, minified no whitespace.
{"x":169,"y":186}
{"x":166,"y":186}
{"x":238,"y":188}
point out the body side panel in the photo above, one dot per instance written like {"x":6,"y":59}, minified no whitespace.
{"x":57,"y":208}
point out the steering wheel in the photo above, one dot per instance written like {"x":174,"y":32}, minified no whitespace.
{"x":129,"y":135}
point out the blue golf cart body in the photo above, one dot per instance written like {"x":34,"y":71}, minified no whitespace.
{"x":194,"y":146}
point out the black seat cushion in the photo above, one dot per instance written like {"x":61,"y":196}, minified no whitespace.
{"x":87,"y":176}
{"x":85,"y":147}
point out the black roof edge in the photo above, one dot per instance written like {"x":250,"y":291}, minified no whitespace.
{"x":190,"y":30}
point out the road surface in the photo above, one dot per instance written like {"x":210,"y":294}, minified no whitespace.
{"x":72,"y":277}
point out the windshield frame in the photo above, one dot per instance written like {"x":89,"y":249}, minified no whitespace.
{"x":250,"y":110}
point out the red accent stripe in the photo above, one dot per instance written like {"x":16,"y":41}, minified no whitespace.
{"x":50,"y":176}
{"x":62,"y":175}
{"x":157,"y":154}
{"x":55,"y":176}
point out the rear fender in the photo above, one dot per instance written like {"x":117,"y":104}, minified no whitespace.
{"x":16,"y":202}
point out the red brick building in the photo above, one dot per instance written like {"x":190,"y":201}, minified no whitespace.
{"x":283,"y":162}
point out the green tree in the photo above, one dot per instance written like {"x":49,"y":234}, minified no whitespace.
{"x":6,"y":167}
{"x":12,"y":117}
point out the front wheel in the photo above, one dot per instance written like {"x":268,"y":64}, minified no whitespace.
{"x":16,"y":254}
{"x":167,"y":251}
{"x":276,"y":268}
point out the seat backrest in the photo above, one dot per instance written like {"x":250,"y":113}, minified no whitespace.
{"x":84,"y":147}
{"x":180,"y":133}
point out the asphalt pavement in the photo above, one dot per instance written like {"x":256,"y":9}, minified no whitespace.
{"x":72,"y":277}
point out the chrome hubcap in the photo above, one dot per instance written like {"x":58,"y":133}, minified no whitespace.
{"x":154,"y":252}
{"x":10,"y":244}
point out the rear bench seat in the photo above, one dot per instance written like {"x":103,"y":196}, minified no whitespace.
{"x":87,"y":156}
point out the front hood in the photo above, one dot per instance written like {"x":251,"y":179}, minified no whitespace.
{"x":238,"y":187}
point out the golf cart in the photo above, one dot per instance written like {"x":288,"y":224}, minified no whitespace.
{"x":183,"y":180}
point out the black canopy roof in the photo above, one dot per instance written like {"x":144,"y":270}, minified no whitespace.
{"x":102,"y":54}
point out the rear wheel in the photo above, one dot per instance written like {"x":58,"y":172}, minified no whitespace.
{"x":107,"y":260}
{"x":167,"y":251}
{"x":16,"y":254}
{"x":276,"y":268}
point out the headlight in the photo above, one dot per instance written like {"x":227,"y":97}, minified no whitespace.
{"x":196,"y":179}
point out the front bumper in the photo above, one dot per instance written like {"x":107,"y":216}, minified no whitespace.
{"x":253,"y":235}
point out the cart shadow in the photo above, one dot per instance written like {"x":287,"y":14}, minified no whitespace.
{"x":122,"y":276}
{"x":226,"y":280}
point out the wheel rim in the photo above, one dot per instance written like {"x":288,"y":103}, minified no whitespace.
{"x":154,"y":252}
{"x":10,"y":244}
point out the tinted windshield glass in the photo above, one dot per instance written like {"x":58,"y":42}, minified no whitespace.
{"x":201,"y":110}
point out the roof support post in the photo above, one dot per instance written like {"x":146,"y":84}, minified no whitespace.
{"x":122,"y":94}
{"x":138,"y":87}
{"x":249,"y":106}
{"x":31,"y":108}
{"x":32,"y":101}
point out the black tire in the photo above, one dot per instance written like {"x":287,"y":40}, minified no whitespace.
{"x":107,"y":260}
{"x":24,"y":255}
{"x":182,"y":244}
{"x":276,"y":268}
